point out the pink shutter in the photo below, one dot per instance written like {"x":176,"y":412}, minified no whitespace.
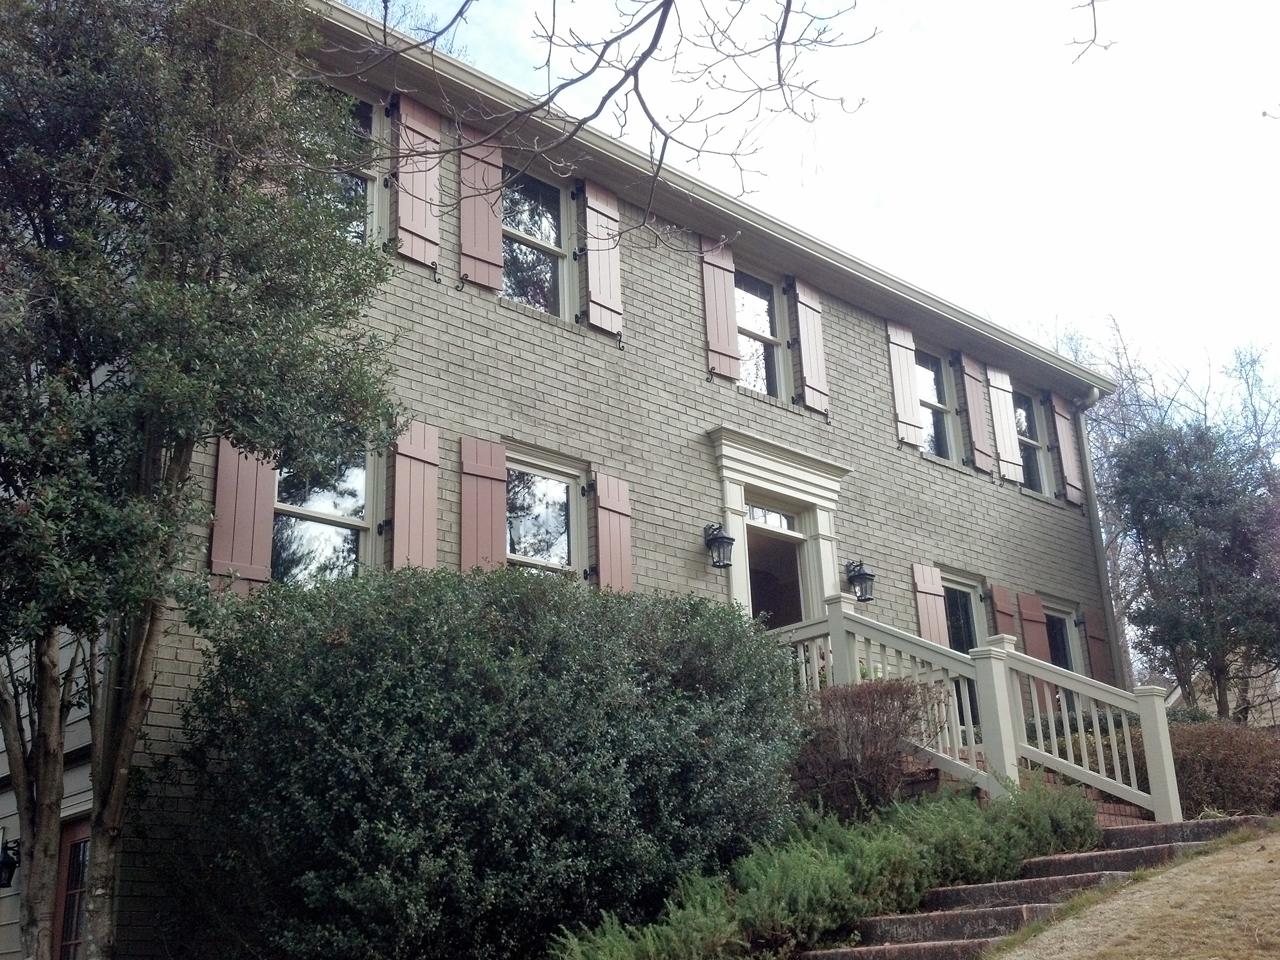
{"x":418,"y":182}
{"x":244,"y":504}
{"x":718,"y":301}
{"x":1005,"y":609}
{"x":484,"y":504}
{"x":1035,"y":632}
{"x":604,"y":260}
{"x":417,"y":483}
{"x":975,"y":405}
{"x":931,"y":603}
{"x":1064,"y":425}
{"x":1100,"y":661}
{"x":613,"y":533}
{"x":481,"y":210}
{"x":906,"y":392}
{"x":813,"y":359}
{"x":1007,"y":448}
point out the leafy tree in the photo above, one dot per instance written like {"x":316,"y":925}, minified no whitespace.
{"x":176,"y":265}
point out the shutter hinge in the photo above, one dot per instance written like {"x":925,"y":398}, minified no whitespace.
{"x":591,"y":571}
{"x":580,"y":251}
{"x":384,"y":526}
{"x":393,"y":105}
{"x":793,"y":342}
{"x":588,"y":488}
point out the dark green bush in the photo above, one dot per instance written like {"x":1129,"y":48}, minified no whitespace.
{"x":426,"y":764}
{"x":1222,"y":767}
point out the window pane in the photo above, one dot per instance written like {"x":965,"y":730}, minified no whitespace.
{"x":355,"y":192}
{"x":753,"y":305}
{"x":363,"y":114}
{"x":774,"y":567}
{"x":929,"y":377}
{"x":73,"y":906}
{"x":1024,"y":415}
{"x":306,"y":551}
{"x":960,"y":626}
{"x":531,"y":276}
{"x":537,"y":517}
{"x":935,"y":432}
{"x":531,"y":206}
{"x":758,"y":367}
{"x":771,"y":518}
{"x":344,"y":497}
{"x":1031,"y":468}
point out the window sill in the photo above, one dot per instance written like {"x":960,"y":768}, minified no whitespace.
{"x":1042,"y":497}
{"x":795,"y":408}
{"x":944,"y":462}
{"x":533,"y":313}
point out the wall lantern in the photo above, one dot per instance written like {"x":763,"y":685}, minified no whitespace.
{"x":719,"y":545}
{"x":10,"y":857}
{"x":862,"y":580}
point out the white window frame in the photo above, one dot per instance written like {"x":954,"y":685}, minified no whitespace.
{"x":947,"y":408}
{"x":764,"y":473}
{"x":378,"y":206}
{"x":369,"y":529}
{"x":1075,"y":649}
{"x":805,"y":527}
{"x":778,"y":301}
{"x":1048,"y":483}
{"x":554,"y":467}
{"x":568,"y":234}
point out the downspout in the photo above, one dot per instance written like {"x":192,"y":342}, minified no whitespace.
{"x":1099,"y":549}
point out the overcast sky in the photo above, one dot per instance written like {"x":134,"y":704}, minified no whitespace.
{"x":1142,"y":182}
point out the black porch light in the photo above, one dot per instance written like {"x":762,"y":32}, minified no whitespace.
{"x":10,"y":857}
{"x":719,"y":545}
{"x":862,"y":580}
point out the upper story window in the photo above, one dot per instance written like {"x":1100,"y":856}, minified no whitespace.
{"x":937,"y":405}
{"x":774,"y":558}
{"x":363,"y":185}
{"x":760,"y":336}
{"x":1028,"y":417}
{"x":534,"y":242}
{"x":322,"y":527}
{"x":545,"y":516}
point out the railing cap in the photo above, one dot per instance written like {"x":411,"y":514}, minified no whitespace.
{"x":1150,"y":690}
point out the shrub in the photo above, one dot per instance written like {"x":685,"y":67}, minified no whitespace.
{"x":1226,"y":767}
{"x":851,"y":762}
{"x":430,"y":764}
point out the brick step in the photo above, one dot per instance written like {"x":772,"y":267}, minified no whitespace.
{"x":944,"y":925}
{"x":1004,"y":893}
{"x":1131,"y":858}
{"x":935,"y":950}
{"x":1148,"y":834}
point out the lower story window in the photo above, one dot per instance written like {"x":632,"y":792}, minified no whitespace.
{"x":544,"y":517}
{"x":962,"y":631}
{"x":321,"y":529}
{"x":72,"y":893}
{"x":773,"y":559}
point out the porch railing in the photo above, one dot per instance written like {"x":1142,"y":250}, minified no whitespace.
{"x":999,"y":709}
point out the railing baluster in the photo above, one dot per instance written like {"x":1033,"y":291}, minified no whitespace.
{"x":1128,"y":749}
{"x":1042,"y":690}
{"x":1097,"y":736}
{"x":1084,"y":734}
{"x":971,"y":723}
{"x":815,"y":665}
{"x":953,"y":715}
{"x":1111,"y":737}
{"x":1060,"y":696}
{"x":901,"y":672}
{"x":1035,"y":709}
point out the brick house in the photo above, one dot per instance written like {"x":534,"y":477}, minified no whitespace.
{"x":590,"y":397}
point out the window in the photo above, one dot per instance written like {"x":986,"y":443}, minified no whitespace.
{"x":362,"y":185}
{"x":545,"y":516}
{"x":1028,"y":418}
{"x":774,"y":562}
{"x":759,"y":334}
{"x":321,"y":528}
{"x":962,"y":605}
{"x":1064,"y":642}
{"x":937,"y":405}
{"x":534,"y":242}
{"x":71,"y":896}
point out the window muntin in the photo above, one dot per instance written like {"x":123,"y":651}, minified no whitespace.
{"x":533,"y":242}
{"x":1028,"y":419}
{"x":759,"y":336}
{"x":771,"y":518}
{"x":933,"y":382}
{"x":321,"y":529}
{"x":539,"y":519}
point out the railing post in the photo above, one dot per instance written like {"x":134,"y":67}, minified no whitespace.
{"x":995,"y":711}
{"x":843,"y":670}
{"x":1161,"y":777}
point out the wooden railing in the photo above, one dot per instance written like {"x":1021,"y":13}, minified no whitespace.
{"x":998,"y":708}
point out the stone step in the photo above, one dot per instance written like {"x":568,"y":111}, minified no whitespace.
{"x":943,"y":925}
{"x":935,"y":950}
{"x":1149,"y":834}
{"x":1036,"y":890}
{"x":1131,"y":858}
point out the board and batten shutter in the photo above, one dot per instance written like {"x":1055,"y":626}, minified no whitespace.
{"x":1064,"y":426}
{"x":244,"y":504}
{"x":417,"y":485}
{"x":604,"y":259}
{"x":418,"y":182}
{"x":1100,"y":661}
{"x":814,"y":392}
{"x":718,"y":297}
{"x":484,"y":504}
{"x":1005,"y":610}
{"x":906,"y":392}
{"x":1035,"y":630}
{"x":613,"y":533}
{"x":1006,"y":426}
{"x":975,"y":406}
{"x":480,"y":209}
{"x":931,"y":603}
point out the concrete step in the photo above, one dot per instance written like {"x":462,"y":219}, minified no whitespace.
{"x":1131,"y":858}
{"x":936,"y":950}
{"x":1037,"y":890}
{"x":943,"y":925}
{"x":1150,"y":834}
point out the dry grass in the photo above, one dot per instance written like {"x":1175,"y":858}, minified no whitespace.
{"x":1222,"y":906}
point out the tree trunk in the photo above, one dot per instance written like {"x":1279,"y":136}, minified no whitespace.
{"x":104,"y":869}
{"x":1222,"y":694}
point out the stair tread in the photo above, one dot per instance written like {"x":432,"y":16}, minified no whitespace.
{"x":1139,"y":835}
{"x":1003,"y":908}
{"x":1091,"y":861}
{"x":1028,"y":890}
{"x":906,"y":951}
